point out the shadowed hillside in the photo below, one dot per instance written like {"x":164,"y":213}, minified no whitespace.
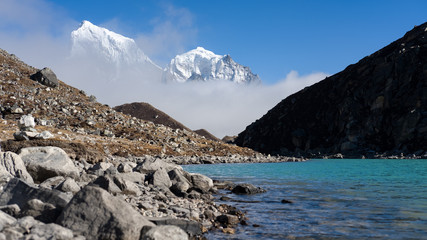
{"x":378,"y":105}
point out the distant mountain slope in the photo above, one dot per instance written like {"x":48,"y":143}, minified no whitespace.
{"x":206,"y":134}
{"x":147,"y":112}
{"x":377,"y":105}
{"x":202,"y":65}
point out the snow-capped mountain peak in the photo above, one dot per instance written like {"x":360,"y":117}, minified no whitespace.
{"x":203,"y":65}
{"x":110,"y":46}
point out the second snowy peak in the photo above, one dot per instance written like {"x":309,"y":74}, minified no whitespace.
{"x":203,"y":65}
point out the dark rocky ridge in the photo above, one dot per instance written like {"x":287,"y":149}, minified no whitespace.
{"x":378,"y":105}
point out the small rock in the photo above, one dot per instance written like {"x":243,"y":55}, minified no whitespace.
{"x":24,"y":135}
{"x":40,"y":210}
{"x":51,"y":231}
{"x":44,"y":135}
{"x":286,"y":201}
{"x":12,"y":164}
{"x":111,"y":170}
{"x":124,"y":168}
{"x":152,"y":165}
{"x":224,"y":198}
{"x":17,"y":110}
{"x":228,"y":219}
{"x":107,"y":183}
{"x":192,"y":228}
{"x":69,"y":185}
{"x":229,"y":230}
{"x":52,"y":182}
{"x":180,"y":189}
{"x":127,"y":186}
{"x":101,"y":166}
{"x":92,"y":98}
{"x":6,"y":219}
{"x":12,"y":209}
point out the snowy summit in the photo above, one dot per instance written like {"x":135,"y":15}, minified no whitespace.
{"x":203,"y":65}
{"x":110,"y":46}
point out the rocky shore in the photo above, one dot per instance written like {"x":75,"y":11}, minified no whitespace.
{"x":46,"y":195}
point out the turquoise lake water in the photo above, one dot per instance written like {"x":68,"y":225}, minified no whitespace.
{"x":332,"y":199}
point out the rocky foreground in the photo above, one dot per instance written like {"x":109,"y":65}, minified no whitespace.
{"x":46,"y":195}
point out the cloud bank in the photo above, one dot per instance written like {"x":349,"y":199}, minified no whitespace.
{"x":223,"y":108}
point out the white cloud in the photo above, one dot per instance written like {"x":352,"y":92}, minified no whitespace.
{"x":173,"y":32}
{"x":223,"y":108}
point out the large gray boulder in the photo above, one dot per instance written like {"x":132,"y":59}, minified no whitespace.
{"x":180,"y":182}
{"x":201,"y":182}
{"x":46,"y":77}
{"x":96,"y":214}
{"x":166,"y":232}
{"x":19,"y":192}
{"x":150,"y":165}
{"x":46,"y":162}
{"x":160,"y":178}
{"x":30,"y":228}
{"x":12,"y":164}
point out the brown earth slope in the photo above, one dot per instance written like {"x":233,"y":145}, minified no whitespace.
{"x":90,"y":130}
{"x":147,"y":112}
{"x":378,"y":105}
{"x":206,"y":134}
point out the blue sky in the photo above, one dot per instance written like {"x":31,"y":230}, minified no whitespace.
{"x":271,"y":37}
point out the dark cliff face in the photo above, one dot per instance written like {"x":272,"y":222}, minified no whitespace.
{"x":377,"y":105}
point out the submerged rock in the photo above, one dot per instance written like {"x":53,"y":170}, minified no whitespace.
{"x":246,"y":188}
